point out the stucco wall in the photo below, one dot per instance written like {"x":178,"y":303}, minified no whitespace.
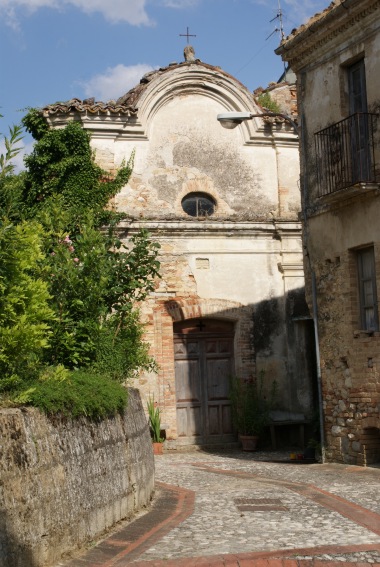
{"x":338,"y":225}
{"x":242,"y":260}
{"x":65,"y":482}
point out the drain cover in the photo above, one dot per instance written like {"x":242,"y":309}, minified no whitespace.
{"x":259,"y":504}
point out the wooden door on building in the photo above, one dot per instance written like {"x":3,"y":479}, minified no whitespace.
{"x":203,"y":365}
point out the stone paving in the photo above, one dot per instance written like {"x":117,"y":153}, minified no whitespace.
{"x":242,"y":509}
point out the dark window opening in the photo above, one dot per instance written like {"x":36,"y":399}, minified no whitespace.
{"x":357,"y":87}
{"x":367,"y":289}
{"x":198,"y":205}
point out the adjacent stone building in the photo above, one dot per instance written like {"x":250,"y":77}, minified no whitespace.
{"x":224,"y":207}
{"x":336,"y":58}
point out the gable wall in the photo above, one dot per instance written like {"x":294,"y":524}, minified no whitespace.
{"x":246,"y":256}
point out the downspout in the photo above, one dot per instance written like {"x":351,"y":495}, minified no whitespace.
{"x":304,"y":189}
{"x":318,"y":362}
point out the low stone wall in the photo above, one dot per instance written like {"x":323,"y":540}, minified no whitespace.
{"x":64,"y":482}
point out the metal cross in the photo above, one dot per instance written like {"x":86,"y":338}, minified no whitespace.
{"x":187,"y":34}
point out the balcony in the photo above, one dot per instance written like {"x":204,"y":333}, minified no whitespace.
{"x":345,"y":154}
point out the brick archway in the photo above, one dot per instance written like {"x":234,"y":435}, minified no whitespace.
{"x":160,"y":335}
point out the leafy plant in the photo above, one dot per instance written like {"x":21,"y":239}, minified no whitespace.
{"x":154,"y":413}
{"x":250,"y":406}
{"x":62,"y":164}
{"x":11,"y":151}
{"x":68,"y":289}
{"x":26,"y":315}
{"x":93,"y":278}
{"x":121,"y":352}
{"x":266,"y":101}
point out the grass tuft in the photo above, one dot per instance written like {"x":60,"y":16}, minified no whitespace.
{"x":80,"y":394}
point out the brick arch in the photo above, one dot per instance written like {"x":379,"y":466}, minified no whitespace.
{"x":165,"y":314}
{"x":191,"y":308}
{"x":182,"y":309}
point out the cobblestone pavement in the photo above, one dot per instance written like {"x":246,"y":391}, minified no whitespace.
{"x":246,"y":509}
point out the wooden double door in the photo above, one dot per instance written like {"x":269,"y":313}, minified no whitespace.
{"x":203,"y":366}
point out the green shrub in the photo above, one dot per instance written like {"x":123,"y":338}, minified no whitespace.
{"x":69,"y":333}
{"x":62,"y":163}
{"x":266,"y":101}
{"x":74,"y":394}
{"x":121,"y":351}
{"x":25,"y":313}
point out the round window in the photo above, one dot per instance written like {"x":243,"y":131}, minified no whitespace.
{"x":198,"y":205}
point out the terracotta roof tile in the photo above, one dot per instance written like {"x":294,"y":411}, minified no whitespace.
{"x":316,"y":19}
{"x":126,"y":104}
{"x":89,"y":105}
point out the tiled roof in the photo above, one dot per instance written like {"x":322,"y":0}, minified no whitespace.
{"x":89,"y":105}
{"x":126,"y":104}
{"x":316,"y":20}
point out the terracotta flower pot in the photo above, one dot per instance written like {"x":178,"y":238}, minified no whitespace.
{"x":249,"y":442}
{"x":158,"y":448}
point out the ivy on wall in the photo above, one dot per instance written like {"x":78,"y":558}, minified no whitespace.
{"x":71,"y":287}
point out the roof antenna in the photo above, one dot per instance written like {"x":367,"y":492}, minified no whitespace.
{"x":279,"y":29}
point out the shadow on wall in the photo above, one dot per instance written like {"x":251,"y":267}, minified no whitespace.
{"x":275,"y":336}
{"x":284,"y":346}
{"x":12,"y":552}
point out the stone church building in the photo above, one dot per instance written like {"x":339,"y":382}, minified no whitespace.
{"x":223,"y":204}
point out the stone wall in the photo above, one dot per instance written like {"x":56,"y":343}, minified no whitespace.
{"x":349,"y":355}
{"x":64,"y":482}
{"x":341,"y":212}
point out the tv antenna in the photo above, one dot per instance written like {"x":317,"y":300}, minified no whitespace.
{"x":280,"y":27}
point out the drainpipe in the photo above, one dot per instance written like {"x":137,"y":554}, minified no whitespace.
{"x":304,"y":189}
{"x":318,"y":361}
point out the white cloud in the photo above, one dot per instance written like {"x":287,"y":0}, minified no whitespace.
{"x":115,"y":82}
{"x":180,"y":3}
{"x":130,"y":11}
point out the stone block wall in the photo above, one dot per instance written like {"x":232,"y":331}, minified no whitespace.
{"x":63,"y":483}
{"x":350,"y":360}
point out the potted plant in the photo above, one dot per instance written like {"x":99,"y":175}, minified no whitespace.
{"x":312,"y":450}
{"x":154,"y":413}
{"x":250,"y":409}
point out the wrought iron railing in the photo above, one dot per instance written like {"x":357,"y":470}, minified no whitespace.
{"x":345,"y":153}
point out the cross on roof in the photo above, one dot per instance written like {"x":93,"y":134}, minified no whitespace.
{"x":187,"y":34}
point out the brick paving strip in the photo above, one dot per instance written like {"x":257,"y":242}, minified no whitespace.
{"x":174,"y":504}
{"x":171,"y":506}
{"x":362,"y":516}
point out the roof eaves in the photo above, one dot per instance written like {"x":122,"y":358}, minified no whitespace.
{"x":311,"y":26}
{"x":88,"y":105}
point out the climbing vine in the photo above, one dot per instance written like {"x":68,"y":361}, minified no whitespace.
{"x":78,"y":288}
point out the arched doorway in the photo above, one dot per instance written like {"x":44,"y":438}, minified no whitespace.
{"x":203,"y":352}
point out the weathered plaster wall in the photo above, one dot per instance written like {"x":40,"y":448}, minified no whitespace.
{"x":189,"y":151}
{"x":338,"y":225}
{"x":63,"y":482}
{"x":323,"y":96}
{"x":241,"y":274}
{"x":246,"y":253}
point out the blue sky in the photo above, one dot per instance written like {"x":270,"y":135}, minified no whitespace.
{"x":59,"y":49}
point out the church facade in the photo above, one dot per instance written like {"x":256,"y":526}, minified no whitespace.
{"x":223,"y":205}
